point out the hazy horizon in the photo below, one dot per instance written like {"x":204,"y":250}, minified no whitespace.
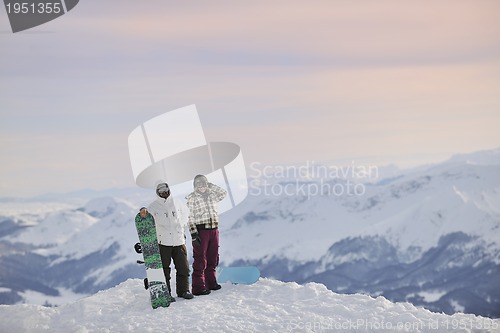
{"x":383,"y":82}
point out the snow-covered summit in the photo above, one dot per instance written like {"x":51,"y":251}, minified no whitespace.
{"x":55,"y":228}
{"x":267,"y":306}
{"x":485,"y":157}
{"x":103,"y":206}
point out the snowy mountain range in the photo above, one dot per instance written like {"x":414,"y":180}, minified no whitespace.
{"x":429,"y":236}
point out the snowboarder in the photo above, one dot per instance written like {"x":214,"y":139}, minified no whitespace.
{"x":203,"y":225}
{"x":170,"y":225}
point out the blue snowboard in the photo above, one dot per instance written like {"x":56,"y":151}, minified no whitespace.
{"x":238,"y":275}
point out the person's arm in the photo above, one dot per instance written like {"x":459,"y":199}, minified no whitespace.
{"x":195,"y":237}
{"x":183,"y":212}
{"x":191,"y":218}
{"x":218,"y":192}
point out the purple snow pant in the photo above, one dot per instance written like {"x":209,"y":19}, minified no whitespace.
{"x":206,"y":259}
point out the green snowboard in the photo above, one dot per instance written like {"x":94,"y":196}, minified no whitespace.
{"x":158,"y":290}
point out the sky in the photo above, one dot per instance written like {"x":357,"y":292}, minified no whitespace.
{"x":377,"y":82}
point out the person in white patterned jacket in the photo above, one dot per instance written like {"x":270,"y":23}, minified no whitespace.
{"x":203,"y":222}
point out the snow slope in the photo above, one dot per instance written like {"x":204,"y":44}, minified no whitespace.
{"x":56,"y":228}
{"x":267,"y":306}
{"x":113,"y":228}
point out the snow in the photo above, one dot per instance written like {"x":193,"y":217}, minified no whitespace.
{"x":457,"y":306}
{"x":485,"y":157}
{"x":56,"y":228}
{"x":65,"y":296}
{"x":432,"y":296}
{"x":116,"y":218}
{"x":267,"y":306}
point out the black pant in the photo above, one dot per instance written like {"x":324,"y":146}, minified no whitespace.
{"x":179,"y":255}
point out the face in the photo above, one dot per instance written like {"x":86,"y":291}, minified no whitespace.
{"x":201,"y":186}
{"x":164,"y":194}
{"x":143,"y":212}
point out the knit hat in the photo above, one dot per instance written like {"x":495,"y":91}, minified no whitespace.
{"x":200,"y":179}
{"x":162,"y":187}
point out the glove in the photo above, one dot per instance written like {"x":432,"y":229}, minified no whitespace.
{"x":196,"y":239}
